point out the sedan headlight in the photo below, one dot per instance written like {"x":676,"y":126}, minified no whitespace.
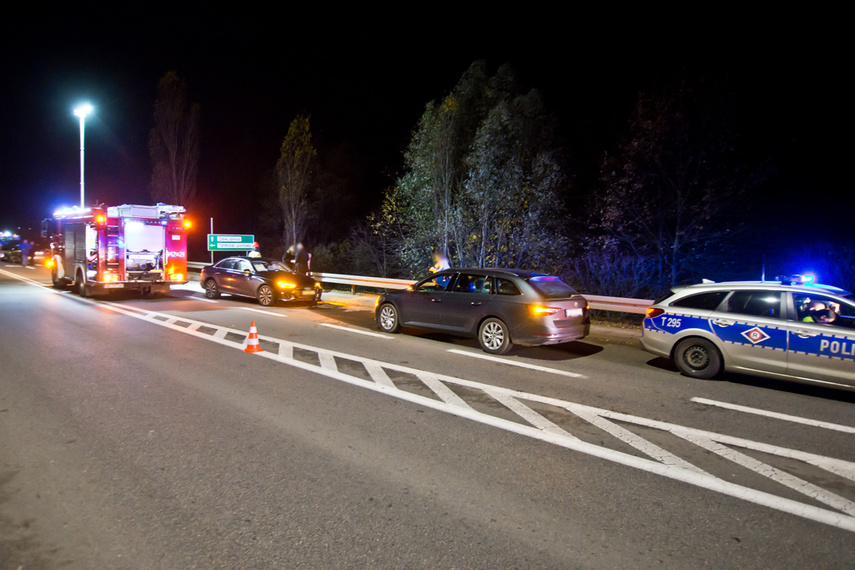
{"x":285,"y":285}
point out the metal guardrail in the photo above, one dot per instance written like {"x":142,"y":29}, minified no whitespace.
{"x":598,"y":302}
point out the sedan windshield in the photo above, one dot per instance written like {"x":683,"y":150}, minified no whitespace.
{"x":269,"y":265}
{"x":552,"y":287}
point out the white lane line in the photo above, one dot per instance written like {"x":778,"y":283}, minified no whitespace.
{"x":29,"y":267}
{"x":527,"y":413}
{"x":445,"y":393}
{"x":357,"y":331}
{"x":776,"y":415}
{"x":515,"y":363}
{"x":378,"y":374}
{"x":646,"y":447}
{"x":831,"y":499}
{"x":263,"y":312}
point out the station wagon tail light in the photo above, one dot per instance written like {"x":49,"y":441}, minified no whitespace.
{"x":653,"y":312}
{"x":285,"y":285}
{"x":542,"y":311}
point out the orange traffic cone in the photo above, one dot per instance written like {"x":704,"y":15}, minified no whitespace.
{"x":252,"y":341}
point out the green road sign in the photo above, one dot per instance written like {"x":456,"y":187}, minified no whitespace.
{"x":230,"y":242}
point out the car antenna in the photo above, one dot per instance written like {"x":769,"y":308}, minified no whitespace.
{"x":763,"y":271}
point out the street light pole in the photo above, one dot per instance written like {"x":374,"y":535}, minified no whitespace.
{"x":81,"y":111}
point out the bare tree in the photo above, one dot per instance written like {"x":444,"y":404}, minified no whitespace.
{"x":173,"y":143}
{"x":293,"y":174}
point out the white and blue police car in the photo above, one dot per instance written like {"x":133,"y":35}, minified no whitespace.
{"x":790,"y":329}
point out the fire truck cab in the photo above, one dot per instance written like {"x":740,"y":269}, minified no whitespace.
{"x":101,"y":249}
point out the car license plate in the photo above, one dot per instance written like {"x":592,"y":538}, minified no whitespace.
{"x":573,"y":312}
{"x":114,"y":285}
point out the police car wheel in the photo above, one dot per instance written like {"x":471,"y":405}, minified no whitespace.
{"x":697,"y":358}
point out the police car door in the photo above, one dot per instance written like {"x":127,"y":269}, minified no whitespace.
{"x":822,"y":343}
{"x":753,"y":331}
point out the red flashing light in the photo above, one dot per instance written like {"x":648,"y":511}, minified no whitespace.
{"x":187,"y":224}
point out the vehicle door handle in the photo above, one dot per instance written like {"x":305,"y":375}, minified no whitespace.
{"x":722,"y":322}
{"x":805,"y":334}
{"x":475,"y":303}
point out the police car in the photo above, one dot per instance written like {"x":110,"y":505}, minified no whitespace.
{"x":790,"y":329}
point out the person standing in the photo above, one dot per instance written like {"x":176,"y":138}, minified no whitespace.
{"x":26,"y":247}
{"x":301,"y":259}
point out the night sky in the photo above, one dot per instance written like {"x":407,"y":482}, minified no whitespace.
{"x":365,"y":78}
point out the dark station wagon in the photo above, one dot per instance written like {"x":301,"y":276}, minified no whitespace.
{"x":499,"y":307}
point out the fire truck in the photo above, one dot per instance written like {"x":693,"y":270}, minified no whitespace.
{"x":102,"y":249}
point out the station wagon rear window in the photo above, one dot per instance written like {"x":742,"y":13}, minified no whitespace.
{"x":552,"y":287}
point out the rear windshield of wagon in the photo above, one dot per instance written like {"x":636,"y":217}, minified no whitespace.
{"x":552,"y":287}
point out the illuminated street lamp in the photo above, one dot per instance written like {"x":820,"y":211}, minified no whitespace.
{"x":81,"y":111}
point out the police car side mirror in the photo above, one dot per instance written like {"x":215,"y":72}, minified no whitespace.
{"x":247,"y":272}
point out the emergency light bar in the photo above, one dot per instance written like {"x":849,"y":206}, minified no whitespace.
{"x":805,"y":279}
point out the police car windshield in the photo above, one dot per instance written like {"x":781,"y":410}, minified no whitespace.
{"x":552,"y":287}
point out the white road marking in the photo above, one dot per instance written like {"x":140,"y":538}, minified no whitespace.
{"x":444,"y":392}
{"x":378,"y":374}
{"x":776,"y":415}
{"x":357,"y":331}
{"x":195,"y":298}
{"x":327,"y":361}
{"x":527,"y":413}
{"x":646,"y":447}
{"x":263,"y":312}
{"x":831,"y":499}
{"x":286,"y":350}
{"x":808,"y":511}
{"x":515,"y":363}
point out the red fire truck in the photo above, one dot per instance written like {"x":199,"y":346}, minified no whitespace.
{"x":101,"y":249}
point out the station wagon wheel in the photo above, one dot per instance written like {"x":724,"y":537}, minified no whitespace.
{"x":387,"y":317}
{"x":698,"y":358}
{"x":494,"y":336}
{"x":265,"y":296}
{"x":211,"y":289}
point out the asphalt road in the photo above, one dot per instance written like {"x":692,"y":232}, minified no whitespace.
{"x":135,"y":433}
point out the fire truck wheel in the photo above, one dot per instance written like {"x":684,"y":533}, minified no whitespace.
{"x":265,"y":296}
{"x":211,"y":290}
{"x":82,"y":289}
